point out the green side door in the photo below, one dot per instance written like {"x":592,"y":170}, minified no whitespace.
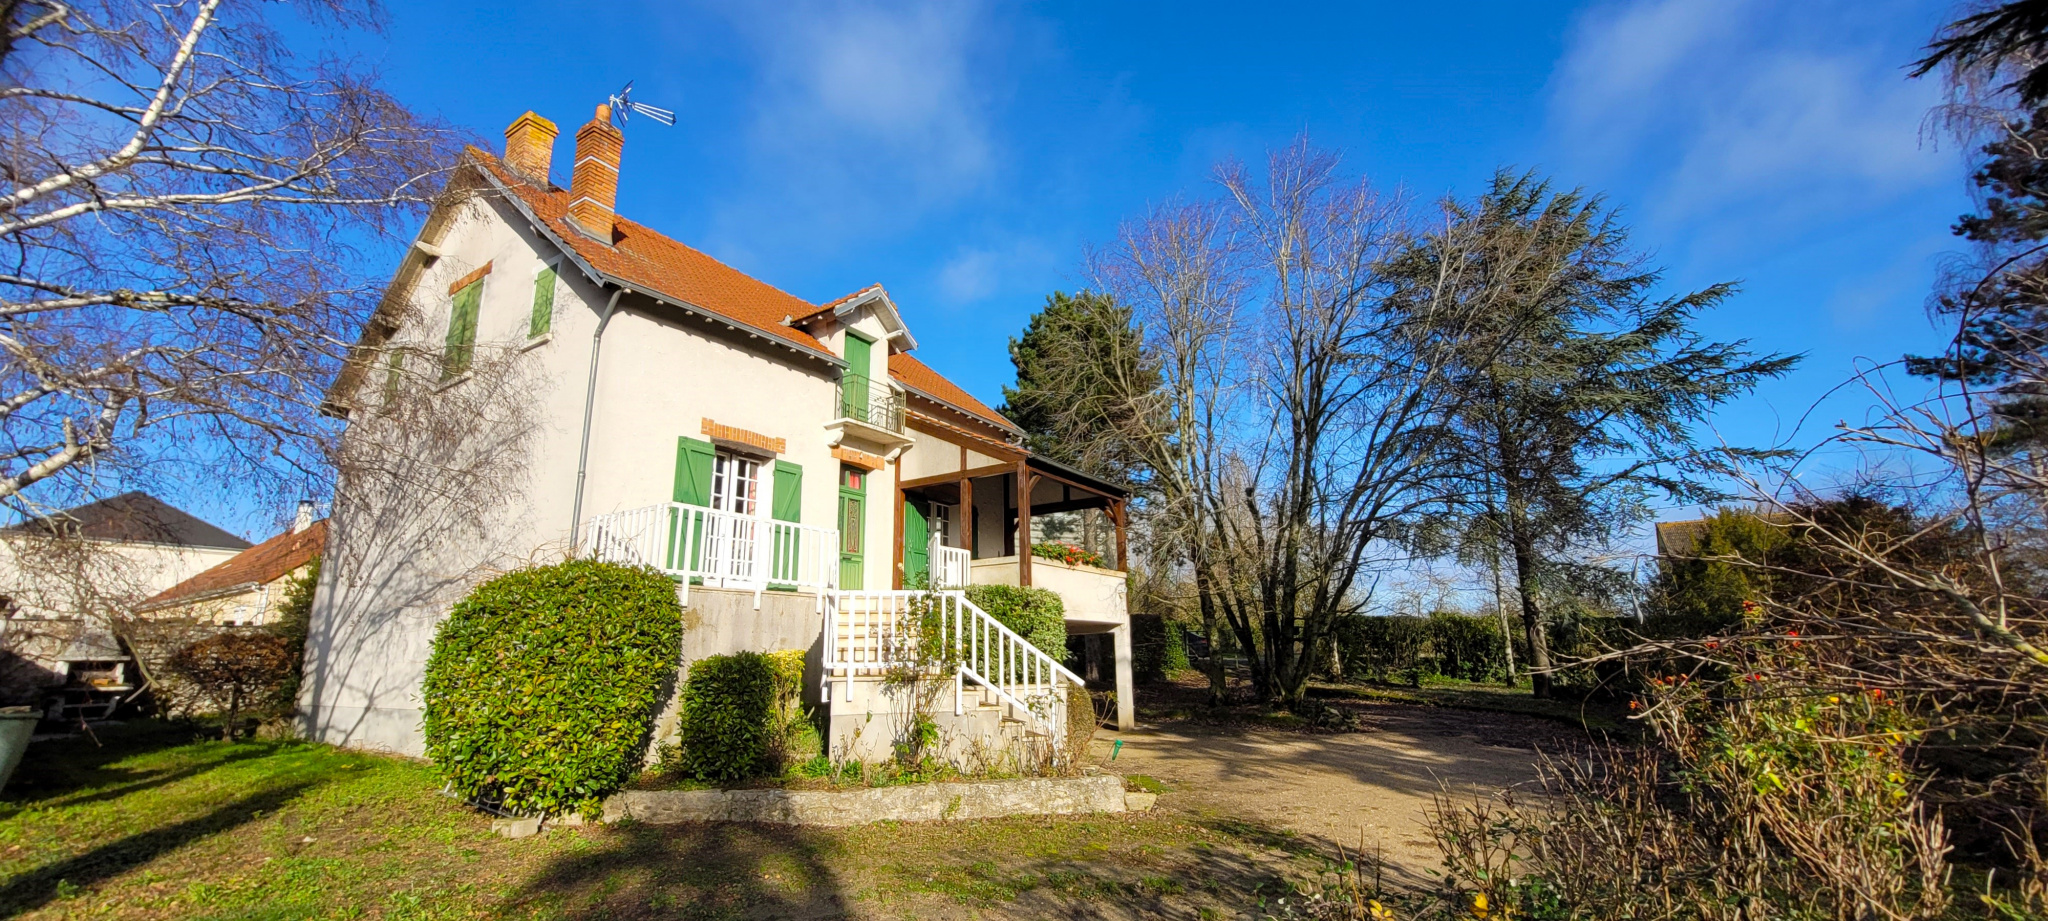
{"x":859,"y":359}
{"x":853,"y":513}
{"x":917,"y":552}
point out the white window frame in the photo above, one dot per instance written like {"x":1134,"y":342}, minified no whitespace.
{"x":730,"y":468}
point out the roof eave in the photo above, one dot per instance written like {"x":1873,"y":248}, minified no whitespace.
{"x":962,"y":410}
{"x":602,"y":278}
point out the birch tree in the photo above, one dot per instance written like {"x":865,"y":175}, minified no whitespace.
{"x":185,"y":203}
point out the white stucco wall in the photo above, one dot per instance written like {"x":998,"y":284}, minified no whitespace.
{"x":122,"y":575}
{"x":398,"y":561}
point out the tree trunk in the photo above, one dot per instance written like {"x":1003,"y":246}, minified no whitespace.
{"x":1532,"y":618}
{"x":227,"y":731}
{"x":1214,"y":666}
{"x":1500,"y":607}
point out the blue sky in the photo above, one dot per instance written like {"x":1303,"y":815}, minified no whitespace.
{"x":965,"y":154}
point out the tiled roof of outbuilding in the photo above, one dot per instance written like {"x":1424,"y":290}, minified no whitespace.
{"x":259,"y":565}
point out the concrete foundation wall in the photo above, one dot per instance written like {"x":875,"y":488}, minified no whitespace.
{"x":911,"y":803}
{"x":869,"y":717}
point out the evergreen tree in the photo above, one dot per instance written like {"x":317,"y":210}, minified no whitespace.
{"x":1084,"y":383}
{"x":1577,"y":384}
{"x":2001,"y":313}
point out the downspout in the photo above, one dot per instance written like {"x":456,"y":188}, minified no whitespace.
{"x":589,"y":403}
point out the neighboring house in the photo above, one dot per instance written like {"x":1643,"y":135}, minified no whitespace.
{"x":246,"y":590}
{"x":791,"y":465}
{"x":67,"y":576}
{"x":105,"y":556}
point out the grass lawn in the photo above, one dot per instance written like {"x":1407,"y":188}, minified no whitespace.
{"x":160,"y":824}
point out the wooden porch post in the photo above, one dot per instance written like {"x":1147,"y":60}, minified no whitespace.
{"x":896,"y":564}
{"x":966,"y":506}
{"x":1023,"y":524}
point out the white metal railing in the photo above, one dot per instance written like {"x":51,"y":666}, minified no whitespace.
{"x":948,"y":564}
{"x":724,"y":549}
{"x":875,"y":633}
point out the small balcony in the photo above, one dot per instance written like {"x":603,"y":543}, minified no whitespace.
{"x":870,"y":402}
{"x":694,"y":544}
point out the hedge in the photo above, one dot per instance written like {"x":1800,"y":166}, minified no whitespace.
{"x":1159,"y":647}
{"x":1405,"y":647}
{"x":543,"y":684}
{"x":738,"y":710}
{"x":1036,"y":614}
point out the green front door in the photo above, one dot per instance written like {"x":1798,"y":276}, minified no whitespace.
{"x":917,"y":550}
{"x":858,"y":362}
{"x":853,"y":511}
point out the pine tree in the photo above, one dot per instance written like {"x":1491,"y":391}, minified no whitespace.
{"x":1083,"y":383}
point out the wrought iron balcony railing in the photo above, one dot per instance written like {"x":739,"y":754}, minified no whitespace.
{"x":865,"y":399}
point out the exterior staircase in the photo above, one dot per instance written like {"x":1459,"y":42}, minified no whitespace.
{"x":1003,"y":689}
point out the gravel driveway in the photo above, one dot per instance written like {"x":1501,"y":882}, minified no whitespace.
{"x":1337,"y":789}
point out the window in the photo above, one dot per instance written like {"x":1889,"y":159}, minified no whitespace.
{"x":853,"y":478}
{"x":942,"y":523}
{"x":461,"y":347}
{"x":736,"y":484}
{"x":543,"y":302}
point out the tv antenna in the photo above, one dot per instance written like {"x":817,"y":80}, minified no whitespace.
{"x":623,"y":105}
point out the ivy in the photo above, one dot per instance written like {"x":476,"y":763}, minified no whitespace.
{"x":544,"y":683}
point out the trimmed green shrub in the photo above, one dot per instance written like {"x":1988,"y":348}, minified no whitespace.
{"x":1038,"y":615}
{"x":1382,"y":648}
{"x":1466,"y":647}
{"x":544,"y":683}
{"x":730,"y":719}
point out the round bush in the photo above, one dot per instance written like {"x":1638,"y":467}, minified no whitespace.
{"x":544,"y":683}
{"x":729,"y":717}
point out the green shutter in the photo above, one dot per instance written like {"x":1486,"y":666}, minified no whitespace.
{"x":543,"y":303}
{"x":788,"y":503}
{"x":461,"y":331}
{"x":693,"y":471}
{"x":394,"y":377}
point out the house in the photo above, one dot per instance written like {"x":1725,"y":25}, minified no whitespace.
{"x":244,"y":591}
{"x":546,"y":377}
{"x":65,"y":578}
{"x":104,"y":556}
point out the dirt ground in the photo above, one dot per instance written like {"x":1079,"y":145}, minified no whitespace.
{"x":1336,"y":789}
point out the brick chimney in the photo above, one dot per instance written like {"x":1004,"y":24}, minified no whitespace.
{"x":530,"y":146}
{"x":594,"y":180}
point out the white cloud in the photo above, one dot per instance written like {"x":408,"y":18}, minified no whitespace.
{"x":1779,"y":110}
{"x":862,"y":116}
{"x":975,"y":273}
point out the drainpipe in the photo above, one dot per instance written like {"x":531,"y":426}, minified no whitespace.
{"x":589,"y":403}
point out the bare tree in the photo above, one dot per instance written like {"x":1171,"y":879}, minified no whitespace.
{"x":184,"y":203}
{"x":1294,"y":451}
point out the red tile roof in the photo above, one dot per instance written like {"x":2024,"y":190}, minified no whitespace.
{"x":917,"y":376}
{"x":259,"y":565}
{"x":650,"y":261}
